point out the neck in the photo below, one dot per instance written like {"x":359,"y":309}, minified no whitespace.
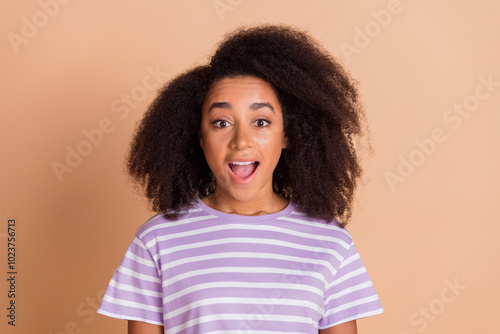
{"x":254,"y":207}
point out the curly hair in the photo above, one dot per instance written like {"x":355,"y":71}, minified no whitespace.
{"x":320,"y":167}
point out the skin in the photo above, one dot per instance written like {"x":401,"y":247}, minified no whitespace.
{"x":242,"y":119}
{"x":139,"y":327}
{"x":349,"y":327}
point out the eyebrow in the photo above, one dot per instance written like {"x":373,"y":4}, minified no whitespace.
{"x":253,"y":106}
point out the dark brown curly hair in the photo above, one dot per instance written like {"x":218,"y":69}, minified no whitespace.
{"x":321,"y":113}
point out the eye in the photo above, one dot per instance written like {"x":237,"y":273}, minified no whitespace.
{"x":262,"y":122}
{"x":220,"y":123}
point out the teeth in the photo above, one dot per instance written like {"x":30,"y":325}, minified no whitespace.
{"x":242,"y":163}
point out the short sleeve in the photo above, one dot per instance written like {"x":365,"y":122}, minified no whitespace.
{"x":351,"y":294}
{"x":135,"y":291}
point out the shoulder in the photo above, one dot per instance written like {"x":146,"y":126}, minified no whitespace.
{"x":160,"y":225}
{"x":328,"y":230}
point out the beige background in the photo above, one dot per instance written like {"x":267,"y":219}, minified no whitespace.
{"x":73,"y":71}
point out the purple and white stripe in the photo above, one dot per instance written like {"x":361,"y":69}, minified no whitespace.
{"x":213,"y":272}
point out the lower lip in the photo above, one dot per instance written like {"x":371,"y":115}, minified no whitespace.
{"x":245,"y":181}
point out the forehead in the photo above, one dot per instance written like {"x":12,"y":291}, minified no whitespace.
{"x":241,"y":87}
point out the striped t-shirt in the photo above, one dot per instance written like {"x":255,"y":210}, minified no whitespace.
{"x":215,"y":272}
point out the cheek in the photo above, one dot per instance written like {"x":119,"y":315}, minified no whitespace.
{"x":270,"y":138}
{"x":263,"y":139}
{"x":213,"y":141}
{"x":270,"y":143}
{"x":206,"y":136}
{"x":212,"y":147}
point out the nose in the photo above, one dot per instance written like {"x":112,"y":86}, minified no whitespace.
{"x":242,"y":138}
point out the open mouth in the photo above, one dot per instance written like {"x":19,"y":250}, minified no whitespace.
{"x":243,"y":169}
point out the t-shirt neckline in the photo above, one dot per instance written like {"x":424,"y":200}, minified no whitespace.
{"x":247,"y":219}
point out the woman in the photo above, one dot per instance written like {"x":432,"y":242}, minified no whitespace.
{"x":250,"y":162}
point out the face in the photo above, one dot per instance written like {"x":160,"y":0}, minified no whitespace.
{"x":242,"y":136}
